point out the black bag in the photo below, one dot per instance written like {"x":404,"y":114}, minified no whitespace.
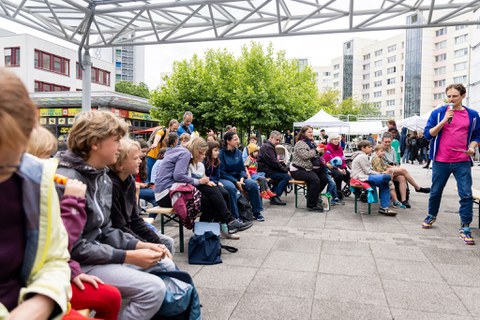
{"x":245,"y":209}
{"x":206,"y":249}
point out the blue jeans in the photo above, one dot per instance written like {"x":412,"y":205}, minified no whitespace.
{"x":232,"y":191}
{"x":462,"y":172}
{"x":281,"y":178}
{"x":148,"y":195}
{"x":251,"y":187}
{"x":150,"y":163}
{"x":381,"y":181}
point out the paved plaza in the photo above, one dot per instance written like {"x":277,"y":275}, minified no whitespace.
{"x":341,"y":265}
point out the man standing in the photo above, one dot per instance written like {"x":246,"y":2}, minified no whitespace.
{"x":274,"y":169}
{"x":186,"y":126}
{"x":288,"y":137}
{"x":454,"y":132}
{"x":323,"y":137}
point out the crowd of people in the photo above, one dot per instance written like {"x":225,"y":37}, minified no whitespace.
{"x":73,"y":232}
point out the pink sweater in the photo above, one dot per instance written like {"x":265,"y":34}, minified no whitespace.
{"x":332,"y":151}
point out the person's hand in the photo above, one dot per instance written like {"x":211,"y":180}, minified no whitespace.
{"x":470,"y":151}
{"x":211,"y":184}
{"x":158,"y":247}
{"x":82,"y":277}
{"x":448,"y":115}
{"x":204,"y":180}
{"x":143,"y":258}
{"x":75,"y":188}
{"x":36,"y":308}
{"x":142,"y":185}
{"x":343,"y":171}
{"x":240,"y":184}
{"x":220,"y":184}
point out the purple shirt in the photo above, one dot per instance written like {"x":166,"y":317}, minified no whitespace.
{"x":454,"y":136}
{"x":12,"y":240}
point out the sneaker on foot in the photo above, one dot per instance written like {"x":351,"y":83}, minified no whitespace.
{"x":236,"y":225}
{"x":466,"y":235}
{"x":259,"y":217}
{"x":398,"y":204}
{"x":264,"y":195}
{"x":315,"y":208}
{"x":229,"y":236}
{"x":387,"y":212}
{"x":271,"y":194}
{"x":429,"y":220}
{"x":423,"y":190}
{"x":406,"y":204}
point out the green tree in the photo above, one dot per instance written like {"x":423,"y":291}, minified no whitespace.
{"x":260,"y":90}
{"x":139,"y":90}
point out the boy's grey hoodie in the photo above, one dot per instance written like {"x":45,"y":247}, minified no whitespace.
{"x":361,"y":166}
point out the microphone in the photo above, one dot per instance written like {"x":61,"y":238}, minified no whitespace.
{"x":450,"y":107}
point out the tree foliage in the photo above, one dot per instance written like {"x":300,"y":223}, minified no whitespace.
{"x":329,"y":101}
{"x":139,"y":90}
{"x":260,"y":90}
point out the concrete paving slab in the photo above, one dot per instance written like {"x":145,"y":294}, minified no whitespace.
{"x":405,"y":314}
{"x":287,"y":283}
{"x":245,"y":257}
{"x":348,"y":289}
{"x":462,"y":255}
{"x":422,"y":296}
{"x":348,"y":265}
{"x":218,"y":303}
{"x":460,"y":275}
{"x":470,"y":297}
{"x":407,"y":270}
{"x":222,"y":276}
{"x":296,"y":261}
{"x":298,"y":245}
{"x":271,"y":307}
{"x":346,"y":248}
{"x":333,"y":310}
{"x":396,"y":252}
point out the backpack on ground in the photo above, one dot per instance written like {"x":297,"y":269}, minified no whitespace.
{"x":245,"y":210}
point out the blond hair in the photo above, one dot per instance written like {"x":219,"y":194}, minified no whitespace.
{"x":379,"y":146}
{"x":42,"y":143}
{"x":197,"y":145}
{"x":18,"y":114}
{"x":92,"y":127}
{"x":126,"y":145}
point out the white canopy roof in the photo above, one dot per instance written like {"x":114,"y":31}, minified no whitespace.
{"x":358,"y":127}
{"x":321,"y":120}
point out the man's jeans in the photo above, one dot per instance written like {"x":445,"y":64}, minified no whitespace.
{"x":462,"y":172}
{"x":281,"y":178}
{"x":251,"y":187}
{"x":381,"y":181}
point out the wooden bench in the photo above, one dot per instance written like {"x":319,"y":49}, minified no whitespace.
{"x":149,"y":220}
{"x":167,"y":215}
{"x":298,"y":185}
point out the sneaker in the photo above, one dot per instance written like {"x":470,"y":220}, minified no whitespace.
{"x":429,"y":220}
{"x":315,"y":208}
{"x":336,"y":202}
{"x":236,"y":225}
{"x":259,"y":217}
{"x":466,"y":235}
{"x":271,"y":194}
{"x":406,"y":204}
{"x":398,"y":204}
{"x":387,"y":212}
{"x":228,"y":236}
{"x":423,"y":190}
{"x":264,"y":195}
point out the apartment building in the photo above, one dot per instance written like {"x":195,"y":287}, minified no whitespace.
{"x":473,"y":99}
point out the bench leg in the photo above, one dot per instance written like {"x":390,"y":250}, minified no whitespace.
{"x":295,"y":191}
{"x":162,"y":224}
{"x":356,"y":199}
{"x":180,"y":236}
{"x":369,"y":208}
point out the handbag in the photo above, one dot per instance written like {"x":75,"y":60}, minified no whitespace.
{"x":204,"y":247}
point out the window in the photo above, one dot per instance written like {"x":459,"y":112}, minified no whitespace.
{"x":336,"y":67}
{"x":390,"y":114}
{"x":441,"y":32}
{"x":441,"y":57}
{"x":99,"y":76}
{"x":439,"y":83}
{"x":366,"y":86}
{"x":366,"y":77}
{"x":391,"y":59}
{"x":441,"y":45}
{"x":391,"y":102}
{"x":366,"y":67}
{"x":392,"y":48}
{"x":438,"y":96}
{"x":12,"y":57}
{"x":460,"y":27}
{"x":366,"y":57}
{"x":460,"y":79}
{"x":391,"y":70}
{"x":460,"y":66}
{"x":377,"y":94}
{"x":440,"y":70}
{"x":327,"y":74}
{"x":461,"y":52}
{"x":336,"y":84}
{"x":461,"y":39}
{"x":336,"y":75}
{"x":378,"y":63}
{"x":50,"y":62}
{"x":41,"y":86}
{"x":366,"y":96}
{"x":390,"y":92}
{"x":377,"y":84}
{"x":378,"y":73}
{"x":378,"y":52}
{"x":391,"y":81}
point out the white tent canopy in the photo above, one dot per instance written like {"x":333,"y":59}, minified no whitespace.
{"x":357,"y":127}
{"x":321,"y":120}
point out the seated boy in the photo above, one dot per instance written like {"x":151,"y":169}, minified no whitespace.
{"x":362,"y":170}
{"x":116,"y":257}
{"x":380,"y":165}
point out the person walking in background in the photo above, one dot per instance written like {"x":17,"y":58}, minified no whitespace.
{"x":186,"y":126}
{"x":157,"y":144}
{"x":454,"y":133}
{"x":288,"y":138}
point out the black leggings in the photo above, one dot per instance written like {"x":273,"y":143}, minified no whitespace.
{"x":214,"y":206}
{"x":316,"y":182}
{"x":339,"y":178}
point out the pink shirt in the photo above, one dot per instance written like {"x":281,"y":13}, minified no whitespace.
{"x":454,"y":136}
